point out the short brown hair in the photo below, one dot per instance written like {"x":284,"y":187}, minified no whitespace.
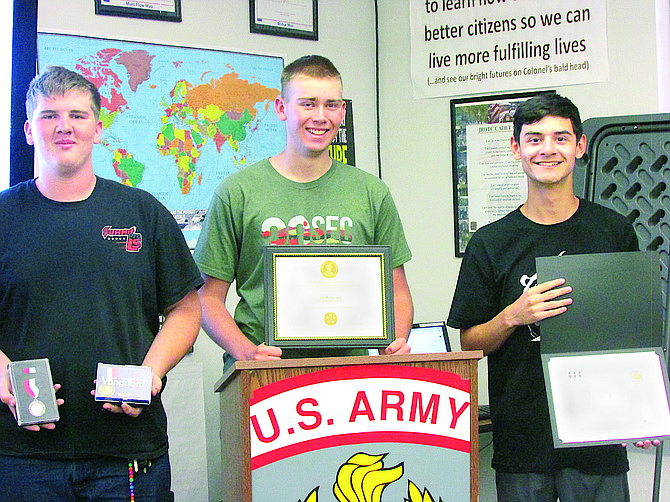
{"x":310,"y":66}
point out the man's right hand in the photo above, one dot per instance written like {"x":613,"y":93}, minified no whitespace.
{"x":266,"y":352}
{"x":539,"y":302}
{"x":535,"y":304}
{"x":7,"y":397}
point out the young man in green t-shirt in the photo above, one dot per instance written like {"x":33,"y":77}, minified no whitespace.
{"x":298,"y":197}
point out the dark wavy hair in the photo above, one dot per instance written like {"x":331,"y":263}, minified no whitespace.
{"x":546,"y":105}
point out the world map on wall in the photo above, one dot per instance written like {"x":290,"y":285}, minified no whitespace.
{"x":176,"y":120}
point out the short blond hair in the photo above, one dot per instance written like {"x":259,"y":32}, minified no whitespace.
{"x":56,"y":81}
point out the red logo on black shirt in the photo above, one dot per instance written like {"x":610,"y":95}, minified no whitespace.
{"x":129,"y":238}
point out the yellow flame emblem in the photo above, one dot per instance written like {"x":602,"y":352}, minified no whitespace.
{"x":415,"y":494}
{"x":313,"y":496}
{"x":363,"y":478}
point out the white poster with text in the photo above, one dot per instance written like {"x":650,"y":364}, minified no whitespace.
{"x":461,"y":47}
{"x":496,"y":182}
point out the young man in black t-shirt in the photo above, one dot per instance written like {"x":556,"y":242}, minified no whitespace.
{"x":498,"y":304}
{"x":87,"y":267}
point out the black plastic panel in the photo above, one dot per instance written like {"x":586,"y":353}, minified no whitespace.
{"x":627,"y":168}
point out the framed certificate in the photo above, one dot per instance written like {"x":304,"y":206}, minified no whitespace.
{"x":607,"y":397}
{"x":328,"y":296}
{"x":295,"y":19}
{"x":161,"y":10}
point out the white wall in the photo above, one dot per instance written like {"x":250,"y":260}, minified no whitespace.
{"x":416,"y":152}
{"x":663,"y":53}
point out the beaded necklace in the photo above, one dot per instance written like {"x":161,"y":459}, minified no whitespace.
{"x":134,"y":467}
{"x":131,"y":480}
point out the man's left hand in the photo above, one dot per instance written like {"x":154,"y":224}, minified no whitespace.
{"x":129,"y":409}
{"x":646,"y":444}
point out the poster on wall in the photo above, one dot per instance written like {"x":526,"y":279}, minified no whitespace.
{"x":462,"y":47}
{"x":488,"y":181}
{"x":343,"y":147}
{"x":176,"y":120}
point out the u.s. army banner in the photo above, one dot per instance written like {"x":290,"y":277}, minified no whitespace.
{"x":362,"y":433}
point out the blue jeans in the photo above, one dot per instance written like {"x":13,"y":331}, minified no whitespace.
{"x":26,"y":479}
{"x":569,"y":485}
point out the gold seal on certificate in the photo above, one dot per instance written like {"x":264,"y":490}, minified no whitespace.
{"x":328,"y":296}
{"x":37,"y":408}
{"x":329,"y":269}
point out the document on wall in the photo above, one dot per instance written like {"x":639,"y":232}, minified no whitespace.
{"x":496,"y":181}
{"x":148,"y":5}
{"x":297,"y":14}
{"x":607,"y":398}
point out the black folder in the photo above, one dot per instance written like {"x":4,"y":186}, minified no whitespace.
{"x":605,"y":353}
{"x":617,"y":302}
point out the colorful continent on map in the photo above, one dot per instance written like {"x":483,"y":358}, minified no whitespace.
{"x":222,"y":110}
{"x":96,"y":68}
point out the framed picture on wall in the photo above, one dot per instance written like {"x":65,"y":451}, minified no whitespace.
{"x":161,"y":10}
{"x":296,"y":19}
{"x":488,"y":182}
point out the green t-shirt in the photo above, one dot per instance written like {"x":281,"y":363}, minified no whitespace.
{"x":257,"y":207}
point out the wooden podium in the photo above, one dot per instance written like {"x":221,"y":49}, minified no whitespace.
{"x":349,"y":428}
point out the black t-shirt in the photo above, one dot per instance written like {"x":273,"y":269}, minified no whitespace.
{"x":82,"y":283}
{"x":498,"y":266}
